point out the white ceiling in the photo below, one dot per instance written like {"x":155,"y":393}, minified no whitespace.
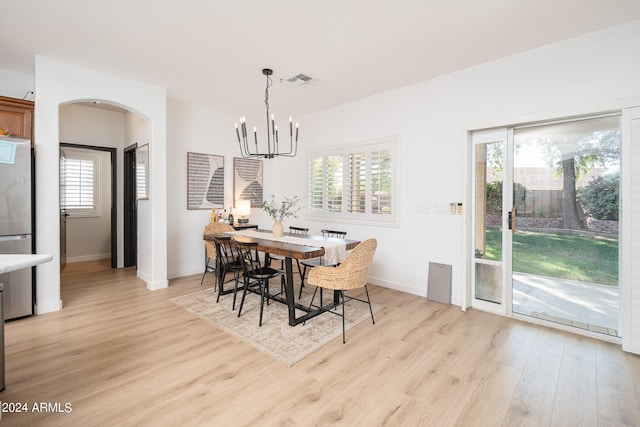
{"x":211,"y":52}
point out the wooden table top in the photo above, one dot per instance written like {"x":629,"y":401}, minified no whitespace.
{"x":291,"y":250}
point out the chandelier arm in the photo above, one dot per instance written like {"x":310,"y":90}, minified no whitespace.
{"x":246,"y":147}
{"x":293,"y":149}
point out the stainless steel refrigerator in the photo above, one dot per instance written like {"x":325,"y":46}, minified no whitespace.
{"x":16,"y":223}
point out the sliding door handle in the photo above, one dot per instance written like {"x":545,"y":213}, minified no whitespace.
{"x":512,"y":219}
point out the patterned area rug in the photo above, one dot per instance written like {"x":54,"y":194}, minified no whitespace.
{"x":290,"y":344}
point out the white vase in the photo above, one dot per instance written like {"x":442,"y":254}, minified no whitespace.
{"x":277,"y":229}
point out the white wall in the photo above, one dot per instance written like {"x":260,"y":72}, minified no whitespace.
{"x":58,"y":83}
{"x":16,"y":85}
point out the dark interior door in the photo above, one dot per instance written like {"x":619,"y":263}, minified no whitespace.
{"x":130,"y":207}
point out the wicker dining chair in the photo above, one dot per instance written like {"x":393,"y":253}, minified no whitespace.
{"x":352,"y":273}
{"x":210,"y":259}
{"x":316,"y":262}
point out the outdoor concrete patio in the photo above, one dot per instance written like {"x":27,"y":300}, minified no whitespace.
{"x":583,"y":305}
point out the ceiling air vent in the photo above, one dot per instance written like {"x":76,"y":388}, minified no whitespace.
{"x":300,"y":79}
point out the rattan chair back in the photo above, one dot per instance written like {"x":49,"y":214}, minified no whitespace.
{"x":214,"y":228}
{"x":352,"y":272}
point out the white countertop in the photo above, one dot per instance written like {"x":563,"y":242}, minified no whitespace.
{"x":16,"y":262}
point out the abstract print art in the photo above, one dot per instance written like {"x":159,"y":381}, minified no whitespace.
{"x":247,"y":180}
{"x":205,"y":181}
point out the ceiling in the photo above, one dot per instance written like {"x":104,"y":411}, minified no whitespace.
{"x":211,"y":52}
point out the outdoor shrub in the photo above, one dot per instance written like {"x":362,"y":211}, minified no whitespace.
{"x":600,"y":197}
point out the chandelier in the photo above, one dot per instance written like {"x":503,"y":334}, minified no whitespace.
{"x":273,"y":147}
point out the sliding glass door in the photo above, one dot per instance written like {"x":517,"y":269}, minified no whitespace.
{"x":565,"y":242}
{"x":548,"y":247}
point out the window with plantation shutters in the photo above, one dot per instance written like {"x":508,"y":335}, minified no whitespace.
{"x":79,"y":178}
{"x":356,"y":183}
{"x":316,"y":181}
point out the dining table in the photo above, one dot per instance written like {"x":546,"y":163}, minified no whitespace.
{"x":293,"y":246}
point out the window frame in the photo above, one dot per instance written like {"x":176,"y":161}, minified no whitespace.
{"x":365,"y":149}
{"x":85,"y":212}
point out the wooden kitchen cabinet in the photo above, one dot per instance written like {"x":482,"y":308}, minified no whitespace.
{"x":17,"y":116}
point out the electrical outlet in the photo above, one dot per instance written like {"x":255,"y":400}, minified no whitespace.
{"x":459,"y":208}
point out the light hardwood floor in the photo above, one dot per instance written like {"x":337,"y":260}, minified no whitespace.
{"x":122,"y":355}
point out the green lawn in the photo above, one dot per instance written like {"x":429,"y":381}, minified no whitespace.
{"x":567,"y":256}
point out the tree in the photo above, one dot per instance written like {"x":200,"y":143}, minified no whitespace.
{"x":576,"y":148}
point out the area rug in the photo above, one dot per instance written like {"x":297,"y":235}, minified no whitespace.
{"x":289,"y":344}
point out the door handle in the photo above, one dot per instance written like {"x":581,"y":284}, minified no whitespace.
{"x":512,"y":219}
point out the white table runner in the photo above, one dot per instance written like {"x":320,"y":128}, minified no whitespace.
{"x":334,"y":252}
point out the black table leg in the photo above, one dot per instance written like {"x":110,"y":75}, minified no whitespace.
{"x":291,"y":303}
{"x":289,"y":291}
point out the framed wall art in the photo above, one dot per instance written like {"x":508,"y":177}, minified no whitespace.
{"x":142,"y":172}
{"x":247,"y":180}
{"x":205,"y":181}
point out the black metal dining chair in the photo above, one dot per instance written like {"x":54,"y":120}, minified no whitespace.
{"x":228,"y":260}
{"x":256,"y":274}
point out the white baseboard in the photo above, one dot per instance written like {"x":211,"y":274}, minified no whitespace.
{"x":406,"y":289}
{"x":48,"y":307}
{"x":142,"y":276}
{"x":154,"y":286}
{"x":398,"y":286}
{"x":82,"y":258}
{"x":185,"y":272}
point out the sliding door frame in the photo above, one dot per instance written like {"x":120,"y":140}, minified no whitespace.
{"x":630,"y":340}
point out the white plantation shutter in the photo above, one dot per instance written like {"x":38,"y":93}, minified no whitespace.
{"x":356,"y":184}
{"x":381,"y":181}
{"x":334,"y":183}
{"x":141,"y":180}
{"x":80,"y":182}
{"x":316,"y":184}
